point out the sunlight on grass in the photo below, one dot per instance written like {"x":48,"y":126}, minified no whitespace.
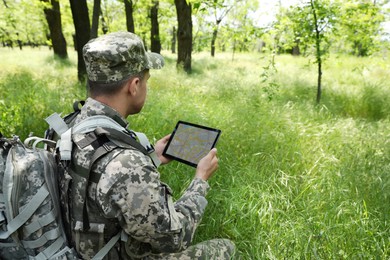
{"x":296,"y":181}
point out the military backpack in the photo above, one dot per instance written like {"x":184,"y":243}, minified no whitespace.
{"x":31,"y":219}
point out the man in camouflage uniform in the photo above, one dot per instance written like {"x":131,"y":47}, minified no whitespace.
{"x":129,"y":195}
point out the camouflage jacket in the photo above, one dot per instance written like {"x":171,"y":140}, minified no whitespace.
{"x":129,"y":196}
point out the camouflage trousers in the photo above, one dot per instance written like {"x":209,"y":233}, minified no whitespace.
{"x":216,"y":249}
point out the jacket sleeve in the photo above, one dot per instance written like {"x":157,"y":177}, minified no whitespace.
{"x":131,"y":191}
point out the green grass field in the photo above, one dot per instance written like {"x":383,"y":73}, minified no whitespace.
{"x":296,"y":180}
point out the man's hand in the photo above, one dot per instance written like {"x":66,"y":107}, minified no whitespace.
{"x":159,"y":148}
{"x":207,"y":165}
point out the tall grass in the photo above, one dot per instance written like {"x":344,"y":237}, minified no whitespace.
{"x":296,"y":180}
{"x":33,"y":84}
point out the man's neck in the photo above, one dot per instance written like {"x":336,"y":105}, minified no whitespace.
{"x":115,"y":102}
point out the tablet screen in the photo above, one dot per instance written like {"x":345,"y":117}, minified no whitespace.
{"x":190,"y":142}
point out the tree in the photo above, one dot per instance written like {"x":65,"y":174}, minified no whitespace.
{"x":95,"y":19}
{"x":219,"y":9}
{"x":129,"y":16}
{"x":318,"y":38}
{"x":313,"y":23}
{"x":173,"y":40}
{"x":360,"y":25}
{"x":155,"y":43}
{"x":288,"y":31}
{"x":318,"y":29}
{"x":23,"y":23}
{"x":240,"y":30}
{"x":184,"y":34}
{"x":83,"y":31}
{"x":53,"y":17}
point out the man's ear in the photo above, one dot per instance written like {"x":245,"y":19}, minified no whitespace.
{"x":132,"y":86}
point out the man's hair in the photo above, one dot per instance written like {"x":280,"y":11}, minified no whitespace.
{"x":107,"y":89}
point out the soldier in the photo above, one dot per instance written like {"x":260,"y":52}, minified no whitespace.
{"x":129,"y":195}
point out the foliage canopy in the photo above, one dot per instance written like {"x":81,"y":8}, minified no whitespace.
{"x":356,"y":26}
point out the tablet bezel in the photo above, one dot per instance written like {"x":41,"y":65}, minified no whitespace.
{"x":218,"y":131}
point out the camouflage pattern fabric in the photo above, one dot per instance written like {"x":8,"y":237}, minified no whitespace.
{"x":216,"y":249}
{"x":29,"y":208}
{"x":130,"y":195}
{"x":115,"y":56}
{"x":15,"y":252}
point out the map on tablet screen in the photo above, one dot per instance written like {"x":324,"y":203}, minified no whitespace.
{"x":190,"y":142}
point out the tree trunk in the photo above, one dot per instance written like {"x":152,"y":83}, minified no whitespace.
{"x":318,"y":52}
{"x":213,"y":39}
{"x":173,"y":41}
{"x":295,"y":50}
{"x":234,"y":49}
{"x":83,"y":31}
{"x":95,"y":19}
{"x":53,"y":17}
{"x":319,"y":89}
{"x":104,"y":24}
{"x":184,"y":34}
{"x":129,"y":15}
{"x":155,"y":43}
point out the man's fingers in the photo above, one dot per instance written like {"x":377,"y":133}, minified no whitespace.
{"x":213,"y":152}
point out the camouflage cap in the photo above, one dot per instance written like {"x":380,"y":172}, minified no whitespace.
{"x":115,"y":56}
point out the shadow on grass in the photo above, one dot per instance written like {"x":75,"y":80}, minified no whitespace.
{"x":202,"y":65}
{"x":371,"y":103}
{"x":60,"y":63}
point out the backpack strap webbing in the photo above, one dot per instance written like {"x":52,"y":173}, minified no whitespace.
{"x":104,"y":140}
{"x":107,"y":247}
{"x":47,"y":189}
{"x":58,"y":124}
{"x":101,"y":145}
{"x":119,"y":138}
{"x":51,"y":250}
{"x":26,"y":213}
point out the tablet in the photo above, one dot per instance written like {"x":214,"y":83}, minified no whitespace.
{"x":189,"y":142}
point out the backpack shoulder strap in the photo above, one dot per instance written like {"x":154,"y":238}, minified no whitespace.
{"x":117,"y":133}
{"x":121,"y":139}
{"x":59,"y":124}
{"x":89,"y":124}
{"x":143,"y":145}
